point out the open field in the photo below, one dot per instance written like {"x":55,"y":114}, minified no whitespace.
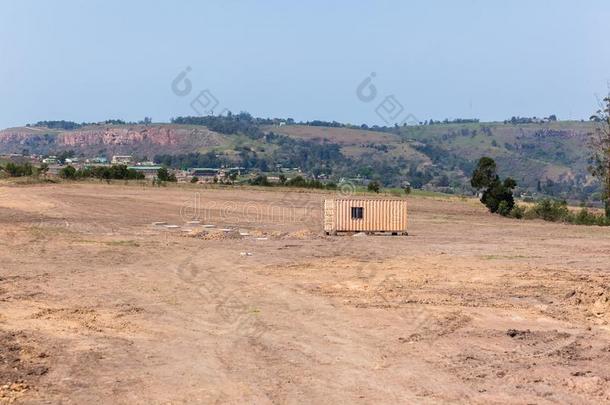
{"x":97,"y":305}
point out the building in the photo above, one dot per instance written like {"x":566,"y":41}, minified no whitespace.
{"x":51,"y":160}
{"x":150,"y":172}
{"x":97,"y":160}
{"x":379,"y":215}
{"x":122,"y":160}
{"x":204,"y":171}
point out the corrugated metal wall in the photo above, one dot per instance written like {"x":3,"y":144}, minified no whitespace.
{"x":379,"y":215}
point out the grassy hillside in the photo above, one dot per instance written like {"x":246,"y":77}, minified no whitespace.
{"x":549,"y":158}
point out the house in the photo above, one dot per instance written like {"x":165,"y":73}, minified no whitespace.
{"x":122,"y":160}
{"x":97,"y":160}
{"x":378,"y":215}
{"x":50,"y":160}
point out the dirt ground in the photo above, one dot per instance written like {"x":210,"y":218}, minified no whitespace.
{"x":99,"y":305}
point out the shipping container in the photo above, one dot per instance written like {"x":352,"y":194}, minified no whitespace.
{"x":365,"y":215}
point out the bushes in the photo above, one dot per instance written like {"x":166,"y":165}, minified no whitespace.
{"x":504,"y":208}
{"x":260,"y":180}
{"x":374,"y":187}
{"x":114,"y":172}
{"x":585,"y":217}
{"x":517,"y":212}
{"x":68,"y":173}
{"x":17,"y":170}
{"x":550,"y":210}
{"x":23,"y":170}
{"x":558,"y":211}
{"x":164,"y":175}
{"x":297,"y":181}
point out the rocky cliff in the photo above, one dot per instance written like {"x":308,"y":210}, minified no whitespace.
{"x":110,"y":139}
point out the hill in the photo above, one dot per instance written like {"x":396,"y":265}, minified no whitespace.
{"x":548,"y":158}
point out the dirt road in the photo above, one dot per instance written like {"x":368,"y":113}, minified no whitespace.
{"x":98,"y":305}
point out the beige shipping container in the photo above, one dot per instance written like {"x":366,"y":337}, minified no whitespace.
{"x":365,"y":215}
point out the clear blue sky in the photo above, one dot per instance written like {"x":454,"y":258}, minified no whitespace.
{"x":93,"y":60}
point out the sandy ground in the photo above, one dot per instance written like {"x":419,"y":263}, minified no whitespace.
{"x":98,"y":305}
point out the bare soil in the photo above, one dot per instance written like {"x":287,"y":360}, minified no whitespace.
{"x":99,"y":305}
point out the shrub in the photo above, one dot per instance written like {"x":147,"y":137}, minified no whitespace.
{"x":517,"y":212}
{"x":17,"y":170}
{"x":164,"y":175}
{"x":194,"y":179}
{"x":260,"y":180}
{"x":504,"y":208}
{"x":586,"y":217}
{"x":299,"y":181}
{"x":68,"y":173}
{"x":374,"y":186}
{"x":551,"y":210}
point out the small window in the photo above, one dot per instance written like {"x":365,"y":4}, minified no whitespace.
{"x":357,"y":212}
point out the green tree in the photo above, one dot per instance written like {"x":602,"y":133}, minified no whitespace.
{"x":374,"y":186}
{"x":484,"y":174}
{"x":260,"y":180}
{"x":497,"y":195}
{"x":164,"y":175}
{"x":195,"y":179}
{"x":600,"y":146}
{"x":68,"y":172}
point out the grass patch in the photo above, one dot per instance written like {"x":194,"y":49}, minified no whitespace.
{"x":123,"y":243}
{"x":504,"y":257}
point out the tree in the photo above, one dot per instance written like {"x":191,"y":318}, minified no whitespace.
{"x":484,"y":174}
{"x":600,"y":146}
{"x":374,"y":186}
{"x":497,"y":195}
{"x":260,"y":180}
{"x":68,"y":172}
{"x":195,"y":179}
{"x":164,"y":175}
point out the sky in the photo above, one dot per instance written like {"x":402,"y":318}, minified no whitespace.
{"x":374,"y":62}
